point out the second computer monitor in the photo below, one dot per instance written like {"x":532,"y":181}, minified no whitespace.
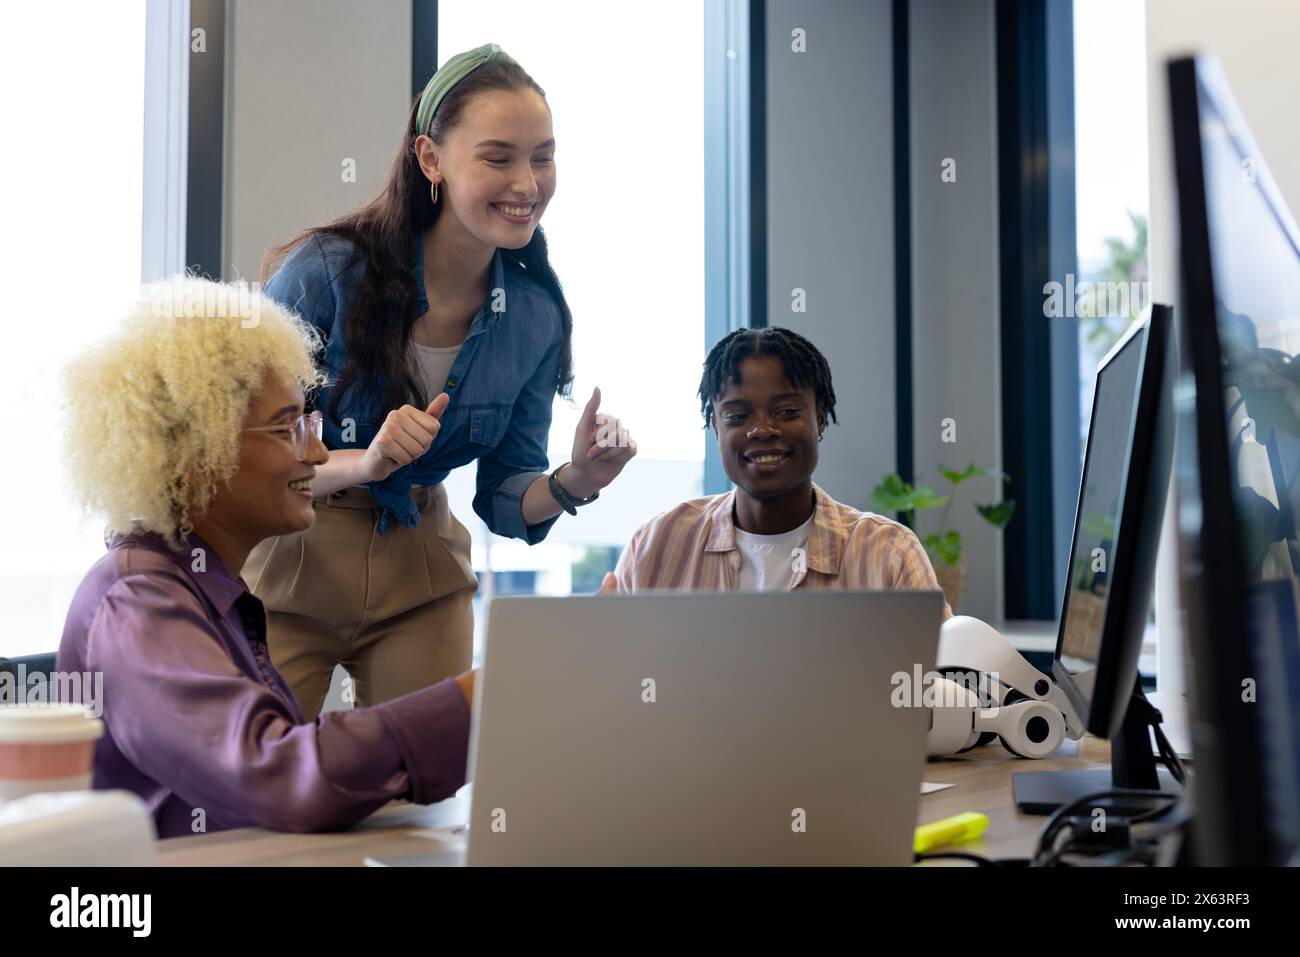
{"x":1117,"y":526}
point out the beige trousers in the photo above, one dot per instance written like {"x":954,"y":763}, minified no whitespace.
{"x":394,"y":609}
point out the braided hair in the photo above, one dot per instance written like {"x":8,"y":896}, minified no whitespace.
{"x":804,"y":365}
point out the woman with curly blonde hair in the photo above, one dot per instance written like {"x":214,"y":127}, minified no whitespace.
{"x":187,"y":432}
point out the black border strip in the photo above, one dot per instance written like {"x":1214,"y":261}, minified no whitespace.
{"x":903,"y":410}
{"x":424,"y":43}
{"x":1029,"y":584}
{"x":758,"y":164}
{"x":206,"y":140}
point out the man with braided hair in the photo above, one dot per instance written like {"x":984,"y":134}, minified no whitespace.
{"x":767,"y":396}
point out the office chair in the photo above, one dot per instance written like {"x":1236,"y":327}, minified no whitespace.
{"x":32,"y":664}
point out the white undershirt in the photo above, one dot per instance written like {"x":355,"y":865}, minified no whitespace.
{"x":435,"y":364}
{"x":767,"y":561}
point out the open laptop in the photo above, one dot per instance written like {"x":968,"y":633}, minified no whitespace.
{"x":699,"y":729}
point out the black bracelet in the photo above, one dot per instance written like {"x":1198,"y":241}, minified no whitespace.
{"x":567,"y":501}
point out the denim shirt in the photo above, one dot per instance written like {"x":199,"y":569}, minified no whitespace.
{"x":501,"y":385}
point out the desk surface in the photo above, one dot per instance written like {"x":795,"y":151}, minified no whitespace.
{"x":981,"y":781}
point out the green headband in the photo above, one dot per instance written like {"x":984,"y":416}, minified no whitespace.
{"x":451,"y":73}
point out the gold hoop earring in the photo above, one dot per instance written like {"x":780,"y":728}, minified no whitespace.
{"x":434,"y":193}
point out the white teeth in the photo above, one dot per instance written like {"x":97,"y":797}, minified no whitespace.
{"x":514,"y":210}
{"x":766,"y":458}
{"x":301,"y":485}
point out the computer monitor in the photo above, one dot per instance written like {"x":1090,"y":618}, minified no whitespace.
{"x":1123,"y":489}
{"x":1238,"y":476}
{"x":1111,"y":571}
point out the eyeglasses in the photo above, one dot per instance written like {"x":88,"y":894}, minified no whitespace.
{"x":300,"y":432}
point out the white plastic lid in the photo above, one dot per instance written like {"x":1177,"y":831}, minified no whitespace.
{"x":48,"y":723}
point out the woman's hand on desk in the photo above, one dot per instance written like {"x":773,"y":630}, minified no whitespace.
{"x":405,"y":435}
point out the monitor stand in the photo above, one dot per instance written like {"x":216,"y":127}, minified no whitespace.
{"x":1132,"y":766}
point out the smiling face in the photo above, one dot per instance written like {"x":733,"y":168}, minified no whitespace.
{"x":767,"y":431}
{"x":496,"y":169}
{"x":270,"y":493}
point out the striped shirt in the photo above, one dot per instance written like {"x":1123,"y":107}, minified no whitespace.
{"x":693,"y":548}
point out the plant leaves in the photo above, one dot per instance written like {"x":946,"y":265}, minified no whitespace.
{"x":944,"y":548}
{"x":925,"y":498}
{"x":998,"y":515}
{"x":956,"y":478}
{"x":895,"y":495}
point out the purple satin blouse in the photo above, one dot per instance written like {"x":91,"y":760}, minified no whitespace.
{"x":198,"y":719}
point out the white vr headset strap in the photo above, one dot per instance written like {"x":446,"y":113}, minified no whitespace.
{"x":968,"y":644}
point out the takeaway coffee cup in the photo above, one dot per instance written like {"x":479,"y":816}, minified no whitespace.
{"x":46,"y":747}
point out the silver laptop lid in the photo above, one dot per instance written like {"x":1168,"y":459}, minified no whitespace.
{"x":716,"y":729}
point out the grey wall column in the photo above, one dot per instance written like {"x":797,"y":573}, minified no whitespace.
{"x":955,"y":278}
{"x":830,"y":222}
{"x":309,"y":136}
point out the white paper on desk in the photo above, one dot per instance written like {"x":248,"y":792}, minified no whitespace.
{"x":455,"y":836}
{"x":929,"y":787}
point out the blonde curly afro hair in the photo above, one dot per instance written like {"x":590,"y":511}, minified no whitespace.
{"x":154,"y":412}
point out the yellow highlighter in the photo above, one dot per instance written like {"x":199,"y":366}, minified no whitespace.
{"x":951,"y":830}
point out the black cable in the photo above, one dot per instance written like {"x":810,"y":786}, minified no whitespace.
{"x":1140,"y":850}
{"x":1181,"y":816}
{"x":1136,"y":854}
{"x":1046,"y":854}
{"x":1172,"y":761}
{"x":979,"y":861}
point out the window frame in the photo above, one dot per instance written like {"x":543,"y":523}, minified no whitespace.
{"x":735,"y":179}
{"x":1040,"y":357}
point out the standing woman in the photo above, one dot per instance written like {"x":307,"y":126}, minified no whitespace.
{"x":447,"y":337}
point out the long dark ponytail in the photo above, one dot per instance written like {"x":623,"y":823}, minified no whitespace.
{"x":378,"y":327}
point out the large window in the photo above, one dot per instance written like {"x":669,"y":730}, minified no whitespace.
{"x":625,"y":84}
{"x":72,"y":168}
{"x":1110,"y":104}
{"x":1110,"y":109}
{"x":1072,"y":230}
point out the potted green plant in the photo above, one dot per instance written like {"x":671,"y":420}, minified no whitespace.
{"x":944,"y":545}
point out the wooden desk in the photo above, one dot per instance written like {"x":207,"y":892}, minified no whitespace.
{"x":981,"y":779}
